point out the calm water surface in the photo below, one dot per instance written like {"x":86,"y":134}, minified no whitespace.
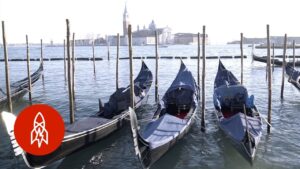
{"x":280,"y":149}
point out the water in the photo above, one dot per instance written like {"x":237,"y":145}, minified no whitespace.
{"x":280,"y":149}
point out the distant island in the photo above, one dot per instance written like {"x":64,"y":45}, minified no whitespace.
{"x":261,"y":43}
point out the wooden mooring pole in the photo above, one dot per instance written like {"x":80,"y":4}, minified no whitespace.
{"x":269,"y":79}
{"x":156,"y":67}
{"x":117,"y":61}
{"x":42,"y":60}
{"x":242,"y":59}
{"x":294,"y":54}
{"x":73,"y":67}
{"x":198,"y":61}
{"x":7,"y":77}
{"x":283,"y":65}
{"x":93,"y":47}
{"x":273,"y":53}
{"x":203,"y":81}
{"x":28,"y":70}
{"x":108,"y":53}
{"x":65,"y":69}
{"x":132,"y":97}
{"x":71,"y":101}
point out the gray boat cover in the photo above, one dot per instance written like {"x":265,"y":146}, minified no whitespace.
{"x":224,"y":77}
{"x":163,"y":130}
{"x":86,"y":124}
{"x":235,"y":126}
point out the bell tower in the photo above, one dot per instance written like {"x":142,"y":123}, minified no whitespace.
{"x":125,"y":21}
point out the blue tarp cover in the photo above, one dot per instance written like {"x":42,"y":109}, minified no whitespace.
{"x":182,"y":89}
{"x":294,"y":75}
{"x":235,"y":126}
{"x":225,"y":77}
{"x":229,"y":95}
{"x":163,"y":130}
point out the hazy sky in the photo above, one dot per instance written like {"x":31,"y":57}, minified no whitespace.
{"x":224,"y":19}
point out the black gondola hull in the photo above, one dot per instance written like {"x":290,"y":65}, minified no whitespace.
{"x":20,"y":88}
{"x":74,"y":143}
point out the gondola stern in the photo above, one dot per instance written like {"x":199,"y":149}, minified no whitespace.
{"x":182,"y":65}
{"x":221,"y":66}
{"x":141,"y":147}
{"x":9,"y":120}
{"x":249,"y":152}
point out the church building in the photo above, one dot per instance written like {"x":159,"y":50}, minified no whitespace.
{"x":145,"y":36}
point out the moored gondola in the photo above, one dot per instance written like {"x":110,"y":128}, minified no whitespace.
{"x":274,"y":61}
{"x":237,"y":115}
{"x":20,"y":88}
{"x":88,"y":130}
{"x":170,"y":122}
{"x":294,"y":76}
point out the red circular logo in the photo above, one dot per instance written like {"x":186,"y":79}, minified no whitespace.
{"x":39,"y":129}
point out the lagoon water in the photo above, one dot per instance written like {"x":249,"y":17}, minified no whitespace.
{"x":210,"y":149}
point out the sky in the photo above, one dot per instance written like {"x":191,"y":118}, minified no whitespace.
{"x":224,"y":19}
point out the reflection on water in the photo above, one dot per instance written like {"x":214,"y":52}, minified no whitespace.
{"x":280,"y":149}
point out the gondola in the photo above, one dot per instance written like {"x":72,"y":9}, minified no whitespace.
{"x":20,"y":88}
{"x":276,"y":62}
{"x":237,"y":115}
{"x":170,"y":122}
{"x":83,"y":132}
{"x":294,"y":76}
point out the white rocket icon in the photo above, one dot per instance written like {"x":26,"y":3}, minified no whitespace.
{"x":39,"y":133}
